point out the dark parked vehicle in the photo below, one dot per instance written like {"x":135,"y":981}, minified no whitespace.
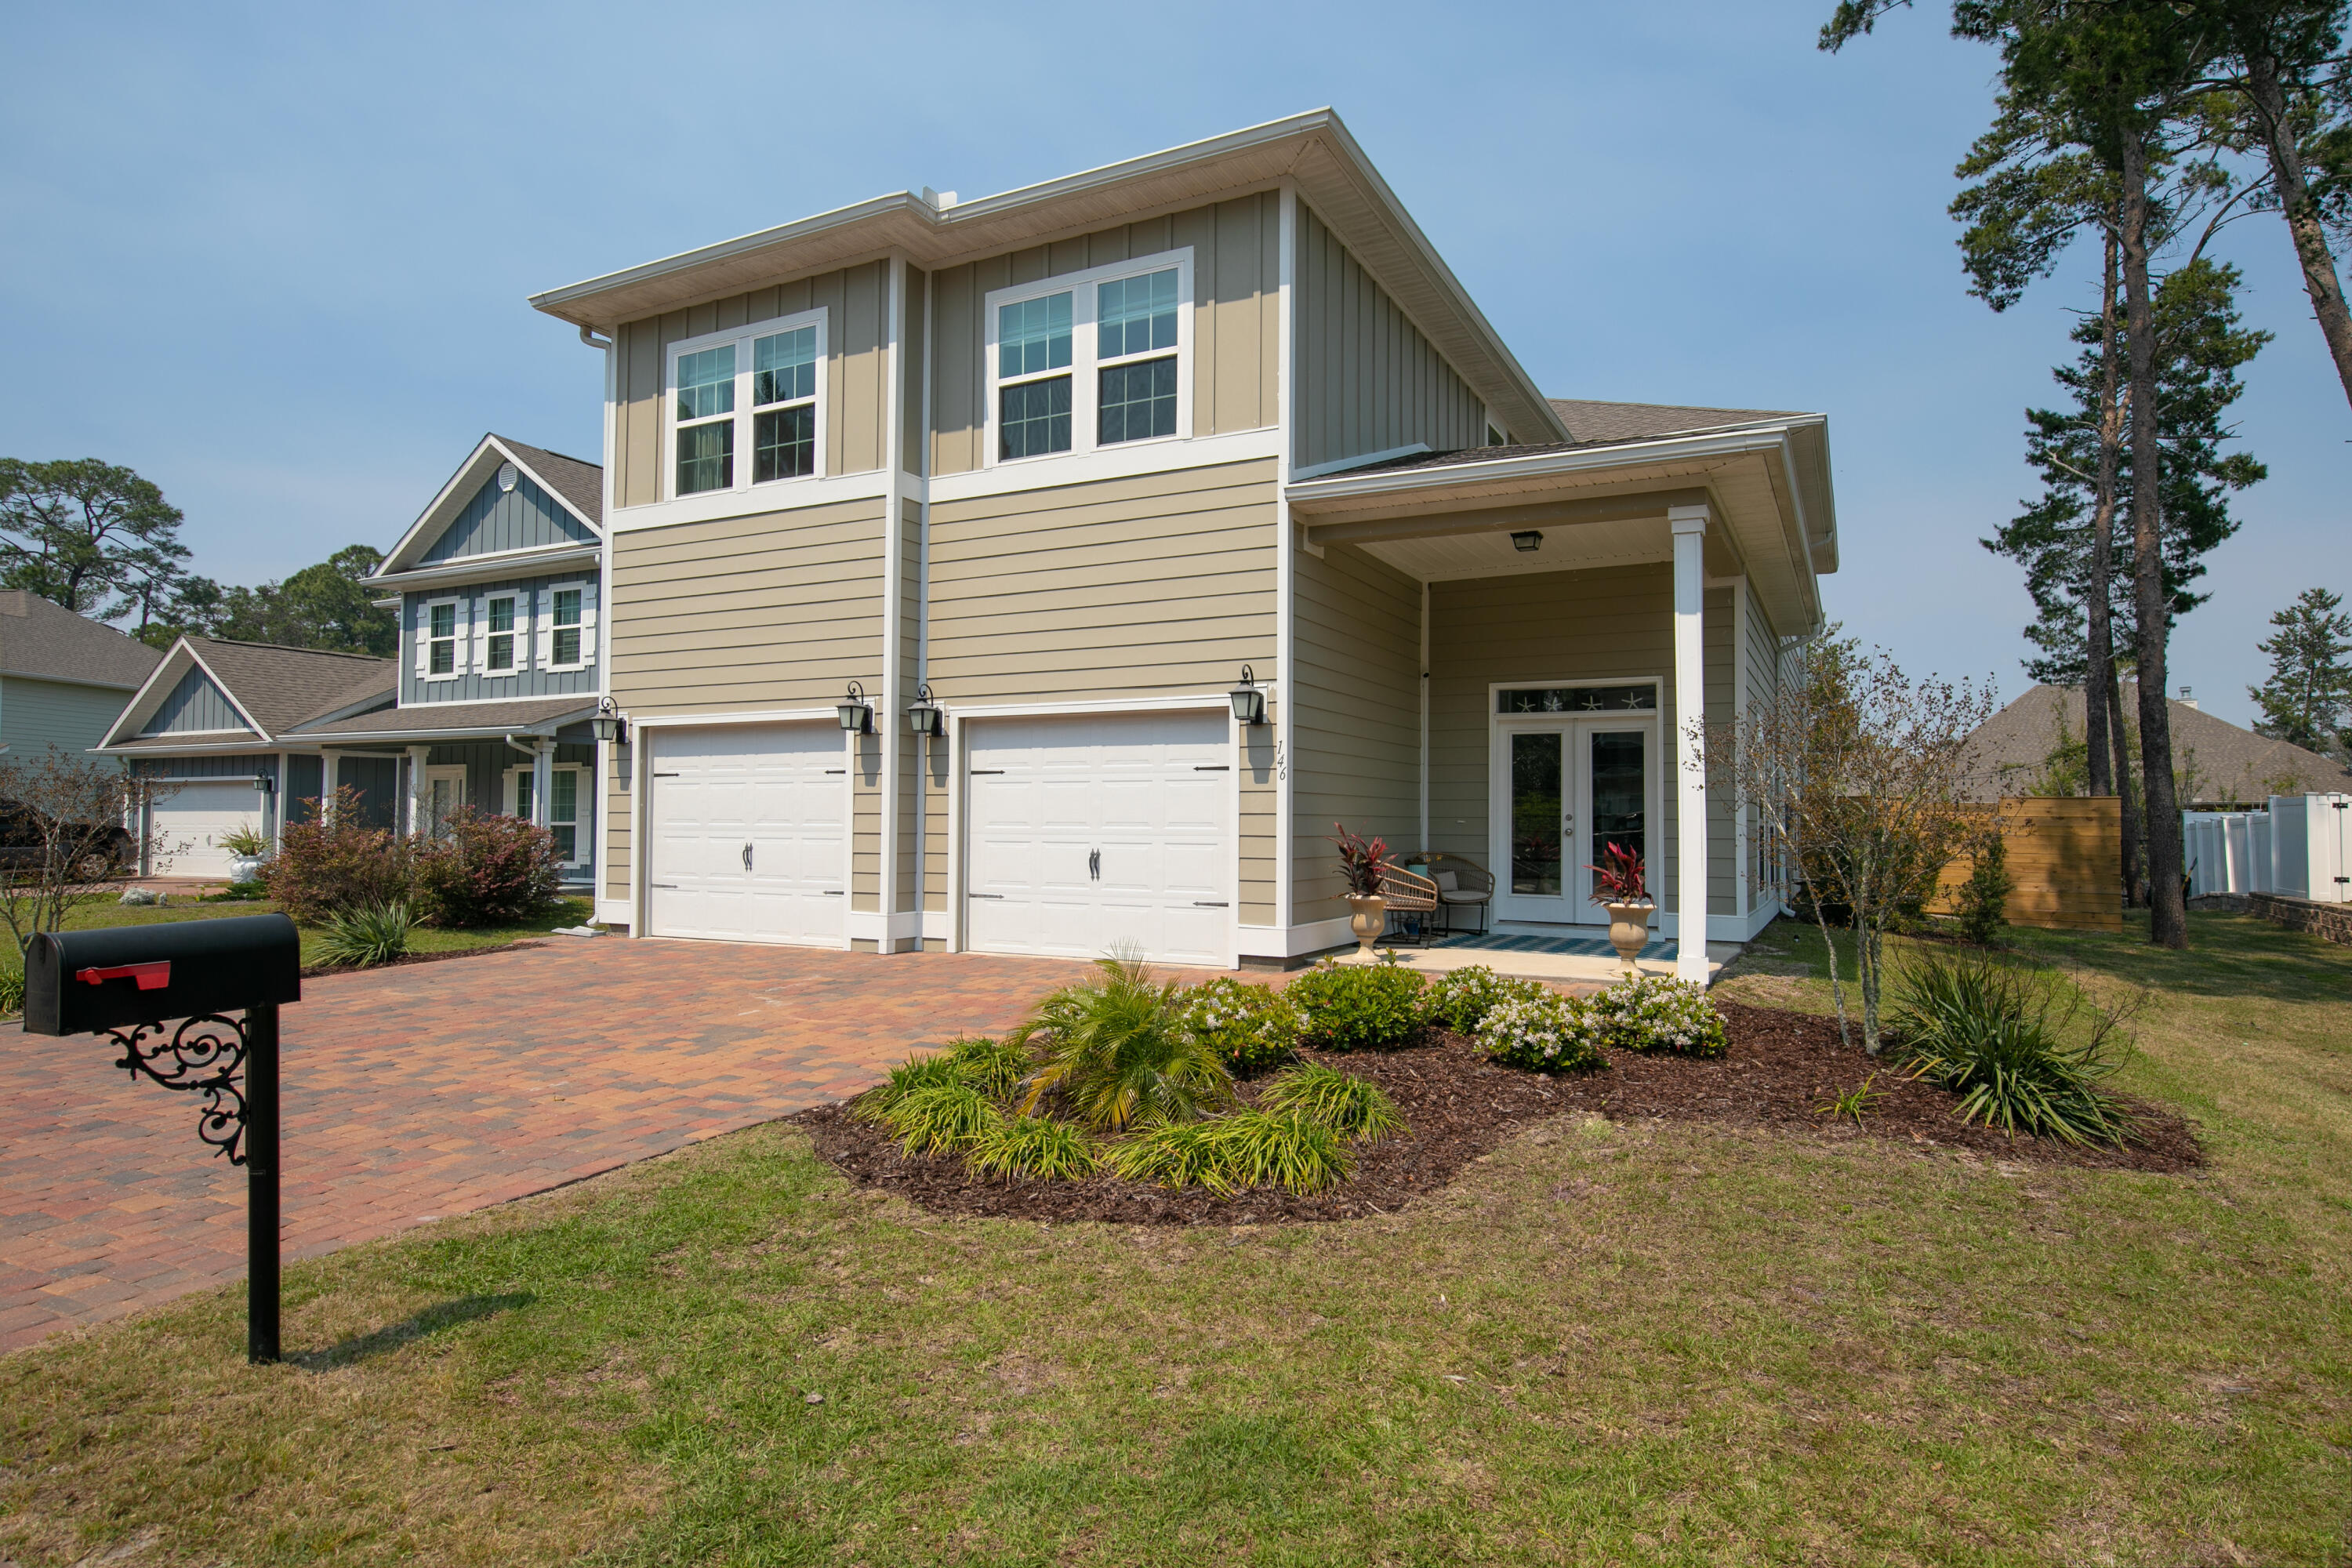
{"x":97,"y":849}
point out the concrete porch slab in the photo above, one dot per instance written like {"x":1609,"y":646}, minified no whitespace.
{"x":1584,"y":964}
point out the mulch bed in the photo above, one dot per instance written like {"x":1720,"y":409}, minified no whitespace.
{"x":1780,"y":1068}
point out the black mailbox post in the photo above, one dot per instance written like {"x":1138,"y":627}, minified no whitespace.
{"x":170,"y":987}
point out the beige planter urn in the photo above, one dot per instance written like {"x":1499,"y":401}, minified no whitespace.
{"x":1629,"y":928}
{"x":1368,"y":917}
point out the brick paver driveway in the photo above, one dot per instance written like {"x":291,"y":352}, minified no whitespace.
{"x":434,"y":1089}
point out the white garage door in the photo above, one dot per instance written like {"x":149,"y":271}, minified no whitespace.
{"x":747,"y":836}
{"x":1091,"y":833}
{"x":190,"y":820}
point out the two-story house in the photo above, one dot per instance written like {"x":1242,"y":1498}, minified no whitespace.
{"x":1050,"y":571}
{"x":62,"y":676}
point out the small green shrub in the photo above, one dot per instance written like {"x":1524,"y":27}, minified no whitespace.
{"x":940,"y":1118}
{"x":1371,"y":1007}
{"x":1981,"y":906}
{"x":1278,"y":1149}
{"x":1251,"y":1027}
{"x":1172,"y":1155}
{"x":994,"y":1066}
{"x":1461,"y":999}
{"x":914,"y":1073}
{"x":1352,"y":1107}
{"x":245,"y":841}
{"x":367,"y":934}
{"x":237,"y":892}
{"x":1032,"y":1146}
{"x":1118,"y":1052}
{"x":1659,"y":1013}
{"x":1550,"y":1033}
{"x":12,"y":991}
{"x":1996,"y":1035}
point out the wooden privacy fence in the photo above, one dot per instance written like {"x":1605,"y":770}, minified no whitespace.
{"x":2065,"y":856}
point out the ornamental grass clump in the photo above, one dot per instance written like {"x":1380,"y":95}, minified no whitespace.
{"x":1550,"y":1033}
{"x":1172,"y":1155}
{"x":1659,"y":1013}
{"x":1287,"y":1149}
{"x":1461,"y":999}
{"x":2025,"y":1050}
{"x":1022,"y":1146}
{"x":1370,"y":1007}
{"x":367,"y":934}
{"x":1120,"y":1052}
{"x":994,"y":1066}
{"x":1352,"y":1107}
{"x":914,"y":1073}
{"x":1251,"y":1027}
{"x":941,"y":1119}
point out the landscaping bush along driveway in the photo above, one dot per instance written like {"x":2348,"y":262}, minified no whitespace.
{"x":1614,"y":1340}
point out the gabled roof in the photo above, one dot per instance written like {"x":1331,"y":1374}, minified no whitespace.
{"x":2221,"y":762}
{"x":274,"y":687}
{"x":1590,"y":422}
{"x":1313,"y":150}
{"x":577,"y":486}
{"x":45,"y":641}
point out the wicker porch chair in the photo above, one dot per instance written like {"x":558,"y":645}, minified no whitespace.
{"x":1463,"y":885}
{"x":1409,"y":893}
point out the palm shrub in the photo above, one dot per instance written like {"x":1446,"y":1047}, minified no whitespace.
{"x":1032,"y":1146}
{"x":1547,"y":1033}
{"x":1461,"y":999}
{"x":2023,"y":1050}
{"x":1368,"y":1008}
{"x":1352,"y":1107}
{"x":1251,"y":1027}
{"x":1659,"y":1013}
{"x":1120,"y":1052}
{"x":364,"y":935}
{"x":941,"y":1119}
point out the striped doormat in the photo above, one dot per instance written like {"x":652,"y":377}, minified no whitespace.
{"x":1564,"y":946}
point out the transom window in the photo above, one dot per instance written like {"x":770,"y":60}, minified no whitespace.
{"x":1577,"y":700}
{"x":441,"y":639}
{"x":750,"y":391}
{"x":1116,"y":335}
{"x":499,"y":652}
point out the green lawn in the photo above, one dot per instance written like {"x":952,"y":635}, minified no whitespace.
{"x":422,"y":938}
{"x":1652,"y":1342}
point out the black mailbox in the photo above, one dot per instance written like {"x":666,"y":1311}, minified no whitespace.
{"x":83,"y":981}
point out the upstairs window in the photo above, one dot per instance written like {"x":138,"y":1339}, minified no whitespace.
{"x":498,"y":646}
{"x":1116,"y":337}
{"x":441,"y":638}
{"x":749,"y":393}
{"x":565,"y":647}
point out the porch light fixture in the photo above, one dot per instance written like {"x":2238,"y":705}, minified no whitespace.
{"x":1525,"y":541}
{"x":857,"y":713}
{"x":609,"y":727}
{"x":923,"y":716}
{"x":266,"y":783}
{"x":1249,"y":702}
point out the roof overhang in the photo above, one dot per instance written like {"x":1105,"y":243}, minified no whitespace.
{"x":1767,"y":485}
{"x":484,"y":568}
{"x":546,"y":726}
{"x":452,"y":498}
{"x":1313,"y":150}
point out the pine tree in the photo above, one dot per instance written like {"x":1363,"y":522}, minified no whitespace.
{"x":2308,"y":699}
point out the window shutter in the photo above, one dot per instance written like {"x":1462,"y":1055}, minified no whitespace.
{"x":588,"y":623}
{"x":424,"y":637}
{"x":543,"y":635}
{"x":478,"y":611}
{"x":525,"y":623}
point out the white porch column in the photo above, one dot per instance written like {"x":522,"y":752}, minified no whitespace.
{"x":542,"y":777}
{"x":418,"y":806}
{"x":1689,"y":526}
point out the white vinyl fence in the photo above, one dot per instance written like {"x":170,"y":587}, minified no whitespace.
{"x":2298,"y":848}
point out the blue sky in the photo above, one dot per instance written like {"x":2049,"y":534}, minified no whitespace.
{"x":275,"y":257}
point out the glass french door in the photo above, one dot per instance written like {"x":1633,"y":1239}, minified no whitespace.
{"x":1565,"y":790}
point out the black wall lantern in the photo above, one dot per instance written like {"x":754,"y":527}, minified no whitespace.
{"x":1249,"y":702}
{"x":609,"y":727}
{"x":266,"y":783}
{"x":1525,"y":541}
{"x":924,"y":717}
{"x":857,"y":713}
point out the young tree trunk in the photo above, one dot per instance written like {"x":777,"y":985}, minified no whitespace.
{"x":2168,"y":919}
{"x":2295,"y":205}
{"x":2120,"y":743}
{"x":2100,"y":633}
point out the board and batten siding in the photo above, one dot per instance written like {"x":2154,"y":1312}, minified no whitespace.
{"x":1365,"y":379}
{"x":194,"y":706}
{"x":1607,"y":624}
{"x":1355,"y":730}
{"x":519,"y":519}
{"x":470,"y":685}
{"x":857,"y":395}
{"x":233,"y":766}
{"x":1236,"y":330}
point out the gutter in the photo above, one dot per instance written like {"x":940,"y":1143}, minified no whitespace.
{"x":1549,"y":465}
{"x":482,"y":568}
{"x":469,"y":732}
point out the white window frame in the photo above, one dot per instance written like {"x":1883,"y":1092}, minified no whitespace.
{"x":582,"y":818}
{"x":1084,"y":372}
{"x":520,"y":633}
{"x":741,"y":338}
{"x":460,"y":639}
{"x":544,"y":626}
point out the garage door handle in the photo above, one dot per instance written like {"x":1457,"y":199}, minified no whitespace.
{"x":1210,"y":904}
{"x":984,"y":895}
{"x":747,"y":857}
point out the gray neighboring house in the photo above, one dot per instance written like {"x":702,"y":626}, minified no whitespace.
{"x":2219,"y":763}
{"x":63,"y":676}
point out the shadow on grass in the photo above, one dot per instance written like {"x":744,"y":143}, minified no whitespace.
{"x":409,"y":1329}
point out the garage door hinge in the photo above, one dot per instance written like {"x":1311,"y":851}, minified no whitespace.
{"x":977,"y":771}
{"x":1210,"y":904}
{"x":665,"y":886}
{"x":835,"y":893}
{"x":836,"y":770}
{"x":665,"y":775}
{"x":1213,"y":767}
{"x":984,"y":895}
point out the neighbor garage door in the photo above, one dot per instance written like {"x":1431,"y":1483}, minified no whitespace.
{"x":747,"y":834}
{"x":1089,"y":834}
{"x":191,"y":818}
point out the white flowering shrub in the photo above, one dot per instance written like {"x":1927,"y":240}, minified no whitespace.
{"x":1253,"y":1027}
{"x":1544,"y":1033}
{"x":1658,"y":1013}
{"x":1461,"y":999}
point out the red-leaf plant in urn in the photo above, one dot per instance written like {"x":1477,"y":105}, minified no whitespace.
{"x":1619,"y":883}
{"x":1360,"y":863}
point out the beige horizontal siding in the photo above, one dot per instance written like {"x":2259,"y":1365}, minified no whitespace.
{"x":1236,"y":333}
{"x":1261,"y":817}
{"x":855,"y":392}
{"x":866,"y":788}
{"x":1126,"y":587}
{"x":1365,"y":379}
{"x":1356,"y":731}
{"x":620,"y":806}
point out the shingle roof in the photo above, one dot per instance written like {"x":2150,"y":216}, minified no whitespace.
{"x":1595,"y":425}
{"x":48,"y":642}
{"x":2223,"y":763}
{"x":581,"y":483}
{"x":281,"y":687}
{"x":436,"y":717}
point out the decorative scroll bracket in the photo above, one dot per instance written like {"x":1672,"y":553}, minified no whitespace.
{"x":203,"y":1055}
